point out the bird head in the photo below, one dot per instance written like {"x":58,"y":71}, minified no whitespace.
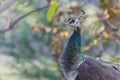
{"x":76,"y":21}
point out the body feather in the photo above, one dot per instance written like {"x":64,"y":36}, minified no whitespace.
{"x":92,"y":69}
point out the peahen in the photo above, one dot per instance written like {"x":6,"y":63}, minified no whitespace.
{"x":77,"y":66}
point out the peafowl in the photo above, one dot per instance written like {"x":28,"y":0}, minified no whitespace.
{"x":77,"y":66}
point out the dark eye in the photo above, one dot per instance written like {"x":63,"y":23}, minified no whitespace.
{"x":71,"y":20}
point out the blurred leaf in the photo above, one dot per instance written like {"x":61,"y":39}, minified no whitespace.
{"x":41,"y":28}
{"x":48,"y":1}
{"x":111,"y":13}
{"x":95,"y":42}
{"x":103,"y":1}
{"x":117,"y":11}
{"x":64,"y":34}
{"x":106,"y":35}
{"x":52,"y":9}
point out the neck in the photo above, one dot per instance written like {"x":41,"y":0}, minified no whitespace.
{"x":72,"y":55}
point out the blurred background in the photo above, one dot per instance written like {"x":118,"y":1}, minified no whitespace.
{"x":33,"y":35}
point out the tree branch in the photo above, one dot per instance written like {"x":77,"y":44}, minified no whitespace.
{"x":12,"y":24}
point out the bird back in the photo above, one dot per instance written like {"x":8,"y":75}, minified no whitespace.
{"x":92,"y":69}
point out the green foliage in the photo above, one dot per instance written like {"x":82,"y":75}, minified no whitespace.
{"x":52,"y":10}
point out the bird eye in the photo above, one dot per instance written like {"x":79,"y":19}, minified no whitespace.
{"x":71,"y":20}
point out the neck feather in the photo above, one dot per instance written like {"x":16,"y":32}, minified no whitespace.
{"x":72,"y":54}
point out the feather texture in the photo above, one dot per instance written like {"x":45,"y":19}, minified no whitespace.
{"x":71,"y":57}
{"x":92,"y":69}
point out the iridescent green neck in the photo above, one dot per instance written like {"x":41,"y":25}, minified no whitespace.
{"x":72,"y":55}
